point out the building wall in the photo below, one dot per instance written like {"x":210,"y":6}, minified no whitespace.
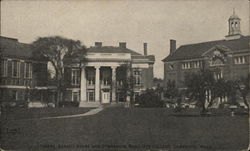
{"x":18,"y":85}
{"x":230,"y":70}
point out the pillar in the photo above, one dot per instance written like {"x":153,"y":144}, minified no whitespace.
{"x":83,"y":85}
{"x":113,"y":84}
{"x":97,"y":83}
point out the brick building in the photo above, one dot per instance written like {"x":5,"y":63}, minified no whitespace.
{"x":20,"y":73}
{"x":228,"y":58}
{"x":99,"y":80}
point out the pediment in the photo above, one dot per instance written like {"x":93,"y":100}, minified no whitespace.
{"x":218,"y":50}
{"x":217,"y":55}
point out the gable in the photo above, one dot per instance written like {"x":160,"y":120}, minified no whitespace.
{"x":193,"y":51}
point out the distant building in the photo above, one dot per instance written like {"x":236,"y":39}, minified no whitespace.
{"x":20,"y":73}
{"x":99,"y":80}
{"x":228,"y":58}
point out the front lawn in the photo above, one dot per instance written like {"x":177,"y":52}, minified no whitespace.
{"x":128,"y":129}
{"x":30,"y":113}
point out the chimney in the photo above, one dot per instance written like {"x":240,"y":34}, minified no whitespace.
{"x":98,"y":44}
{"x":172,"y":45}
{"x":122,"y":44}
{"x":145,"y":49}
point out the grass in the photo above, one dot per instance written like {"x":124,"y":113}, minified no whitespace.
{"x":128,"y":129}
{"x":30,"y":113}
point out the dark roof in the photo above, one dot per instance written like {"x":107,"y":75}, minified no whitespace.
{"x":11,"y":47}
{"x":111,"y":49}
{"x":192,"y":51}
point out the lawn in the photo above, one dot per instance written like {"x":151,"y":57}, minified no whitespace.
{"x":128,"y":129}
{"x":30,"y":113}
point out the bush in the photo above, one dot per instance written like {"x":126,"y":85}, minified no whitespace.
{"x":150,"y":98}
{"x":68,"y":104}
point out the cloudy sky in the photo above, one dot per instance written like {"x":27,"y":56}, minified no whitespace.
{"x":134,"y":22}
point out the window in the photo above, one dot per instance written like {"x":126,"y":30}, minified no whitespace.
{"x":75,"y":77}
{"x":91,"y":96}
{"x":186,"y":65}
{"x":4,"y":68}
{"x":15,"y":68}
{"x":137,"y":80}
{"x":197,"y":64}
{"x":75,"y":96}
{"x":218,"y":75}
{"x":106,"y":77}
{"x":14,"y":95}
{"x":91,"y":77}
{"x":27,"y":70}
{"x":137,"y":75}
{"x":240,"y":60}
{"x":171,"y":66}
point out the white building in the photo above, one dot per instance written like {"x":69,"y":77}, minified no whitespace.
{"x":100,"y":79}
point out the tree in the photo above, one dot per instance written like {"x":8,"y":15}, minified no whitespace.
{"x":198,"y":84}
{"x":149,"y":99}
{"x":55,"y":50}
{"x":171,"y":90}
{"x":244,"y":88}
{"x":126,"y":76}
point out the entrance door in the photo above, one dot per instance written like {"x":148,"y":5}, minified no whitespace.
{"x":105,"y":97}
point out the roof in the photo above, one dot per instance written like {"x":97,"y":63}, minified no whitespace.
{"x":192,"y":51}
{"x":111,"y":49}
{"x":234,"y":16}
{"x":11,"y":47}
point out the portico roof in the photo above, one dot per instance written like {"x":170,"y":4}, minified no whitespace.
{"x":111,"y":49}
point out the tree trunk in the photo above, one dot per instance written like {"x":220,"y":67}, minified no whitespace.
{"x":245,"y":102}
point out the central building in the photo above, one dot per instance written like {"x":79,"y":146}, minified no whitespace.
{"x":99,"y":77}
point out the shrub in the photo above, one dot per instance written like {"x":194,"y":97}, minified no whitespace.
{"x":150,"y":98}
{"x":68,"y":104}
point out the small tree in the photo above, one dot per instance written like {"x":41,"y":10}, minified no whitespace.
{"x":55,"y":49}
{"x":198,"y":84}
{"x":150,"y":99}
{"x":171,"y":90}
{"x":244,"y":88}
{"x":126,"y":76}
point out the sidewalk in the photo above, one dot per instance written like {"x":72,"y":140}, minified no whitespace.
{"x":91,"y":112}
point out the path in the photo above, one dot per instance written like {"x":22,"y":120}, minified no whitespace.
{"x":91,"y":112}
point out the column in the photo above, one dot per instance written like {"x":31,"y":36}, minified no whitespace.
{"x":97,"y":83}
{"x":113,"y":84}
{"x":83,"y":85}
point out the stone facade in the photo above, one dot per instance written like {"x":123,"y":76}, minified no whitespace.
{"x":100,"y":79}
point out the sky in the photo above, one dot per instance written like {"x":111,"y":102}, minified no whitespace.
{"x":133,"y":22}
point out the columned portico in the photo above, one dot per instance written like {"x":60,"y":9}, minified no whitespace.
{"x":113,"y":83}
{"x":97,"y":84}
{"x":83,"y":85}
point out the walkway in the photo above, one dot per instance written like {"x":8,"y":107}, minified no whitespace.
{"x":91,"y":112}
